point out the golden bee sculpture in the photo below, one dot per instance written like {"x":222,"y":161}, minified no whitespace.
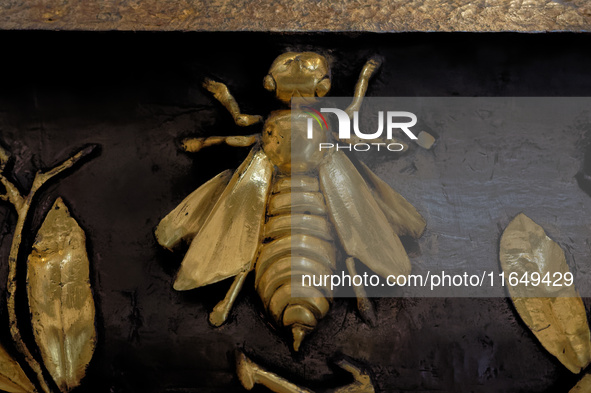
{"x":282,"y":211}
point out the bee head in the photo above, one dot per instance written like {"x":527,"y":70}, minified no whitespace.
{"x":298,"y":74}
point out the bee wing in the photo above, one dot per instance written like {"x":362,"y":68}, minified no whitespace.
{"x":403,"y":217}
{"x":362,"y":227}
{"x":229,"y":239}
{"x":188,"y":217}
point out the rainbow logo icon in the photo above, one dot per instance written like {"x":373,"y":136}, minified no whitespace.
{"x":316,"y":115}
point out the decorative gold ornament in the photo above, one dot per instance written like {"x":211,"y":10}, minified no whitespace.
{"x":251,"y":374}
{"x":280,"y":218}
{"x":60,"y":299}
{"x":555,"y":314}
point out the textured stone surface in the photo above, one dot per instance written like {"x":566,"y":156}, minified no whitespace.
{"x":298,"y":15}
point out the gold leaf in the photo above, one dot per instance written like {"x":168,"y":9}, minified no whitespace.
{"x":555,"y":314}
{"x":60,"y":298}
{"x":12,"y":376}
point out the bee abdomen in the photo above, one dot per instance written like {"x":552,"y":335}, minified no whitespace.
{"x":307,"y":224}
{"x":298,"y":243}
{"x":297,"y":202}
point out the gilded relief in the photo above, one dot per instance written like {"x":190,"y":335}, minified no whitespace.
{"x":60,"y":299}
{"x":550,"y":308}
{"x":281,"y":213}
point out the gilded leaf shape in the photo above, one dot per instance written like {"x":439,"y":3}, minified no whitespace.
{"x":12,"y":376}
{"x":60,"y":298}
{"x":555,"y":314}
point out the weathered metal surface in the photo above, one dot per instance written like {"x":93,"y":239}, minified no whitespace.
{"x":298,"y":15}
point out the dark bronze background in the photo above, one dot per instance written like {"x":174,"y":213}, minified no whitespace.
{"x":139,"y":94}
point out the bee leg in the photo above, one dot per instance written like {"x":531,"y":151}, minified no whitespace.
{"x":369,"y":69}
{"x":222,"y":94}
{"x":364,"y":305}
{"x":362,"y":383}
{"x":250,"y":374}
{"x":193,"y":145}
{"x":220,"y":312}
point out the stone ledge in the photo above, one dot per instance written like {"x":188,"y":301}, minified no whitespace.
{"x":298,"y":15}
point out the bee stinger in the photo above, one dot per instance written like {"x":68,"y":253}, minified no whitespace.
{"x":282,"y":211}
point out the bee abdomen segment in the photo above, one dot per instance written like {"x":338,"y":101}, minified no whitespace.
{"x":297,"y":202}
{"x":284,"y":225}
{"x":296,"y":183}
{"x":298,"y":314}
{"x":317,"y":304}
{"x":290,"y":268}
{"x":317,"y":250}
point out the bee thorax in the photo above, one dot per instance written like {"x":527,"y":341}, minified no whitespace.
{"x":285,"y":141}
